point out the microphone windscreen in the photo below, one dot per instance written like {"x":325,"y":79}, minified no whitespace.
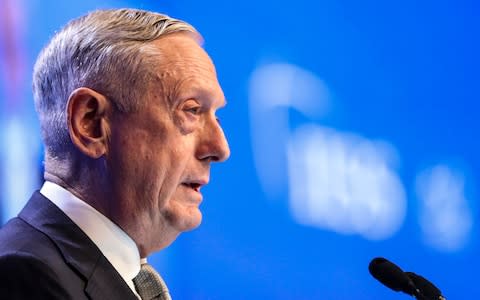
{"x":391,"y":275}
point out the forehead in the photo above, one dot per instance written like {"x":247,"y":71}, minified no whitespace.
{"x":180,"y":52}
{"x":184,"y":66}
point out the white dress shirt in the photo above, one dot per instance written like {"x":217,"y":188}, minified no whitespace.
{"x":119,"y":248}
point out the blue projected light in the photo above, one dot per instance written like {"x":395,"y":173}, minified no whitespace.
{"x":353,"y":129}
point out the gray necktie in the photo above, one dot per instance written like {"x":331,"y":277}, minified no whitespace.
{"x":149,"y":284}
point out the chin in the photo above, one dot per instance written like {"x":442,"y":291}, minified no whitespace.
{"x":192,"y":222}
{"x":178,"y":223}
{"x":185,"y":220}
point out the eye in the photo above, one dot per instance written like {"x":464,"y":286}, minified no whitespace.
{"x":194,"y":110}
{"x":192,"y":106}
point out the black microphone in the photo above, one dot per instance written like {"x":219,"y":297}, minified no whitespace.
{"x":428,"y":289}
{"x":393,"y":277}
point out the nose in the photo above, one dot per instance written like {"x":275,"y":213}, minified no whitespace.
{"x":213,"y":146}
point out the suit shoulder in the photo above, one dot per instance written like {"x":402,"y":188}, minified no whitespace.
{"x":24,"y":276}
{"x":33,"y":267}
{"x":17,"y":235}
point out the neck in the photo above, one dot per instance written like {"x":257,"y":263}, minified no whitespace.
{"x":90,"y":181}
{"x":84,"y":178}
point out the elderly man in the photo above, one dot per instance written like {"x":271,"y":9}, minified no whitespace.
{"x":127,"y":102}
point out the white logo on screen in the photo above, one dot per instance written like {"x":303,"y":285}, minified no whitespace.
{"x":337,"y":180}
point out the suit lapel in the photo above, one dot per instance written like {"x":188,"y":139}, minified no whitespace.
{"x":103,"y":284}
{"x":103,"y":281}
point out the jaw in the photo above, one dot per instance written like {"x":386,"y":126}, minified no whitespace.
{"x":157,"y":227}
{"x":151,"y":232}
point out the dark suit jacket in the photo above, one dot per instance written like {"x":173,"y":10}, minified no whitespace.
{"x":44,"y":255}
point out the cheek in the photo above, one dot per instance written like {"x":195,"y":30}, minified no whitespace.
{"x":170,"y":170}
{"x":138,"y":169}
{"x":185,"y":122}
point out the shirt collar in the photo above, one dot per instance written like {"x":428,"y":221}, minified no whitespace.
{"x":119,"y":248}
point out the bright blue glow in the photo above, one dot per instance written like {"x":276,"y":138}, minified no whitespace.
{"x":344,"y":183}
{"x":273,"y":90}
{"x":19,"y":157}
{"x":445,"y":216}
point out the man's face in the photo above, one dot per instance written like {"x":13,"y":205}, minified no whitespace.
{"x":160,"y":156}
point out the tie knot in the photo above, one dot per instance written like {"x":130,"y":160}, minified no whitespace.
{"x":150,"y":285}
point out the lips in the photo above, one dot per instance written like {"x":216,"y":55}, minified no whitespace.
{"x":195,"y":184}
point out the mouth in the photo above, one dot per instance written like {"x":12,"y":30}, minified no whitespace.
{"x":195,"y":185}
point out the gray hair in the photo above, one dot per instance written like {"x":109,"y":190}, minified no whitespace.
{"x":105,"y":50}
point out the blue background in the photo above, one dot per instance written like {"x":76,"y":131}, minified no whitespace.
{"x":406,"y":73}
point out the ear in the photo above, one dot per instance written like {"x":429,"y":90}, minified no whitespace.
{"x":87,"y":121}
